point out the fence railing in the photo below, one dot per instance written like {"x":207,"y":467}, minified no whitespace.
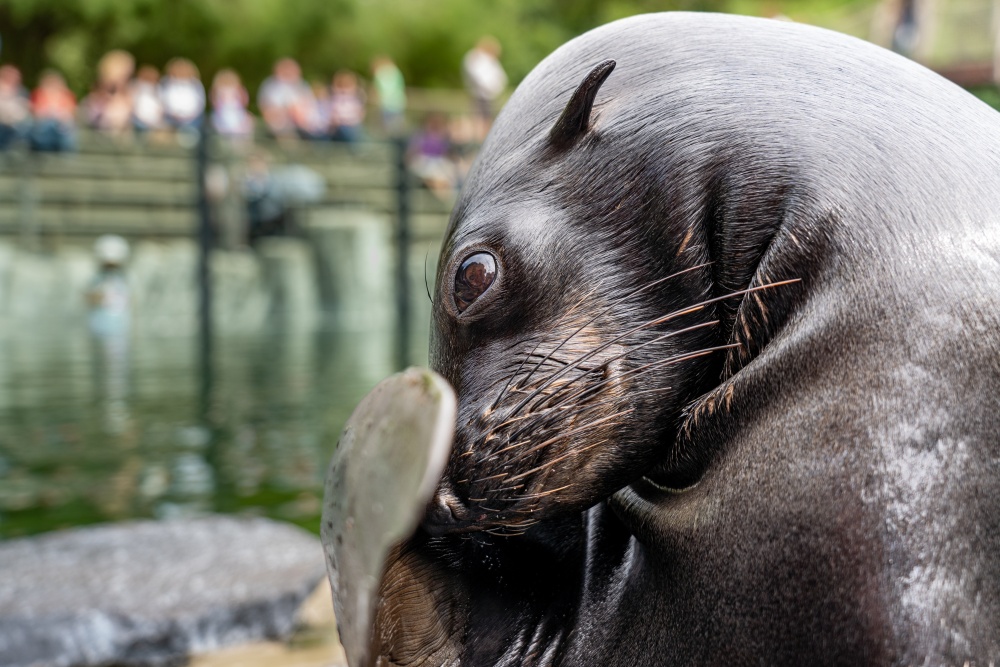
{"x":370,"y":211}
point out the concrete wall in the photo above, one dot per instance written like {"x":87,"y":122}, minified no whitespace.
{"x":342,"y":276}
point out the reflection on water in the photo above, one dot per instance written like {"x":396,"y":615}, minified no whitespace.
{"x":105,"y":428}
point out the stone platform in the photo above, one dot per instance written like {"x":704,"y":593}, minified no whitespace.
{"x":152,"y":593}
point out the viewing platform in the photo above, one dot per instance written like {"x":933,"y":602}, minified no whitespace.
{"x":151,"y":191}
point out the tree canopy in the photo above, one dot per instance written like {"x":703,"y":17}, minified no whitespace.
{"x":426,"y":37}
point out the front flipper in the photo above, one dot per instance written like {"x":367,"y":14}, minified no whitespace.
{"x":422,"y":611}
{"x":387,"y":464}
{"x":403,"y":597}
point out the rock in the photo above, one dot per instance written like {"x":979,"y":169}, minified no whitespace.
{"x":314,"y":643}
{"x":151,"y":593}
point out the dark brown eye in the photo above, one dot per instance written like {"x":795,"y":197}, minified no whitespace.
{"x":474,"y":277}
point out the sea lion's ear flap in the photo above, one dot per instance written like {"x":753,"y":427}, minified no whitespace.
{"x":575,"y":118}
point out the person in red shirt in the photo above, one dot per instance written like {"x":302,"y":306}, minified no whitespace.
{"x":15,"y":111}
{"x":53,"y":106}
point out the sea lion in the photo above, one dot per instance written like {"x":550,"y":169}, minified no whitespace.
{"x":721,"y":304}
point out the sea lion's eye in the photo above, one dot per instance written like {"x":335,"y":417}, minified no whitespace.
{"x":474,"y":277}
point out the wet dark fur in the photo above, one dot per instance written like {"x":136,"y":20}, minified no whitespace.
{"x":770,"y":269}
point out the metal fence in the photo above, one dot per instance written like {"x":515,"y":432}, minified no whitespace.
{"x":348,"y":249}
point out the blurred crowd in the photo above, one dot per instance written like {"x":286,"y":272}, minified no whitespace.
{"x":142,"y":103}
{"x":129,"y":102}
{"x":126,"y":100}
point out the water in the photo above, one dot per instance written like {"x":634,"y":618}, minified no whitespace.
{"x":106,"y":429}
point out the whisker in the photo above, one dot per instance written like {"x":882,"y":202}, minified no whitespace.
{"x":508,"y":488}
{"x":617,"y":303}
{"x":571,"y":432}
{"x":532,"y":353}
{"x":486,"y":479}
{"x":534,"y":415}
{"x":536,"y":496}
{"x":519,"y":443}
{"x":549,"y":464}
{"x":426,"y":285}
{"x":657,"y":321}
{"x":646,"y":368}
{"x":660,"y":338}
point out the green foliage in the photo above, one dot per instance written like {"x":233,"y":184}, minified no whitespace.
{"x":988,"y":94}
{"x":426,"y":37}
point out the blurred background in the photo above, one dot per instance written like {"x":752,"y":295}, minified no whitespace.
{"x":264,"y":274}
{"x":218,"y":217}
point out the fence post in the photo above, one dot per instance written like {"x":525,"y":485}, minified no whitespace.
{"x":403,"y":309}
{"x":204,"y":235}
{"x":28,"y":201}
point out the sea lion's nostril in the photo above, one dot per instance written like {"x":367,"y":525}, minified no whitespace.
{"x":450,"y":506}
{"x":445,"y":513}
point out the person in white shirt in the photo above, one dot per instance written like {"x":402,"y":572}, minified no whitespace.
{"x":485,"y":80}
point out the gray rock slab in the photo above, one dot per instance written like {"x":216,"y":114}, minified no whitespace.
{"x":150,"y":593}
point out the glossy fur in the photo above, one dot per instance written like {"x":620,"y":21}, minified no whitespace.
{"x":766,"y":271}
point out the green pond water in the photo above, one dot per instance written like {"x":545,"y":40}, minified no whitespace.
{"x":107,"y":429}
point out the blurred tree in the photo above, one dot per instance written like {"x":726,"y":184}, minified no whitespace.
{"x":427,"y":38}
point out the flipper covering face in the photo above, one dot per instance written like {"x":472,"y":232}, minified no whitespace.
{"x":390,"y":457}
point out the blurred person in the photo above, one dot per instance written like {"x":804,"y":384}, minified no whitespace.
{"x":390,"y":94}
{"x":311,"y":113}
{"x":907,"y":31}
{"x":108,"y":320}
{"x":15,"y":107}
{"x":230,"y":117}
{"x":147,"y":107}
{"x":905,"y":26}
{"x":53,"y":106}
{"x":429,"y":156}
{"x":183,"y":98}
{"x":108,"y":293}
{"x":108,"y":107}
{"x":267,"y":213}
{"x":347,"y":108}
{"x":278,"y":95}
{"x":485,"y":80}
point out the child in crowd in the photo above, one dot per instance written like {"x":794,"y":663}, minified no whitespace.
{"x":229,"y":106}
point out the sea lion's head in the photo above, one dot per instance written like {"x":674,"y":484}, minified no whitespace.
{"x":570,"y":334}
{"x":577,"y":305}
